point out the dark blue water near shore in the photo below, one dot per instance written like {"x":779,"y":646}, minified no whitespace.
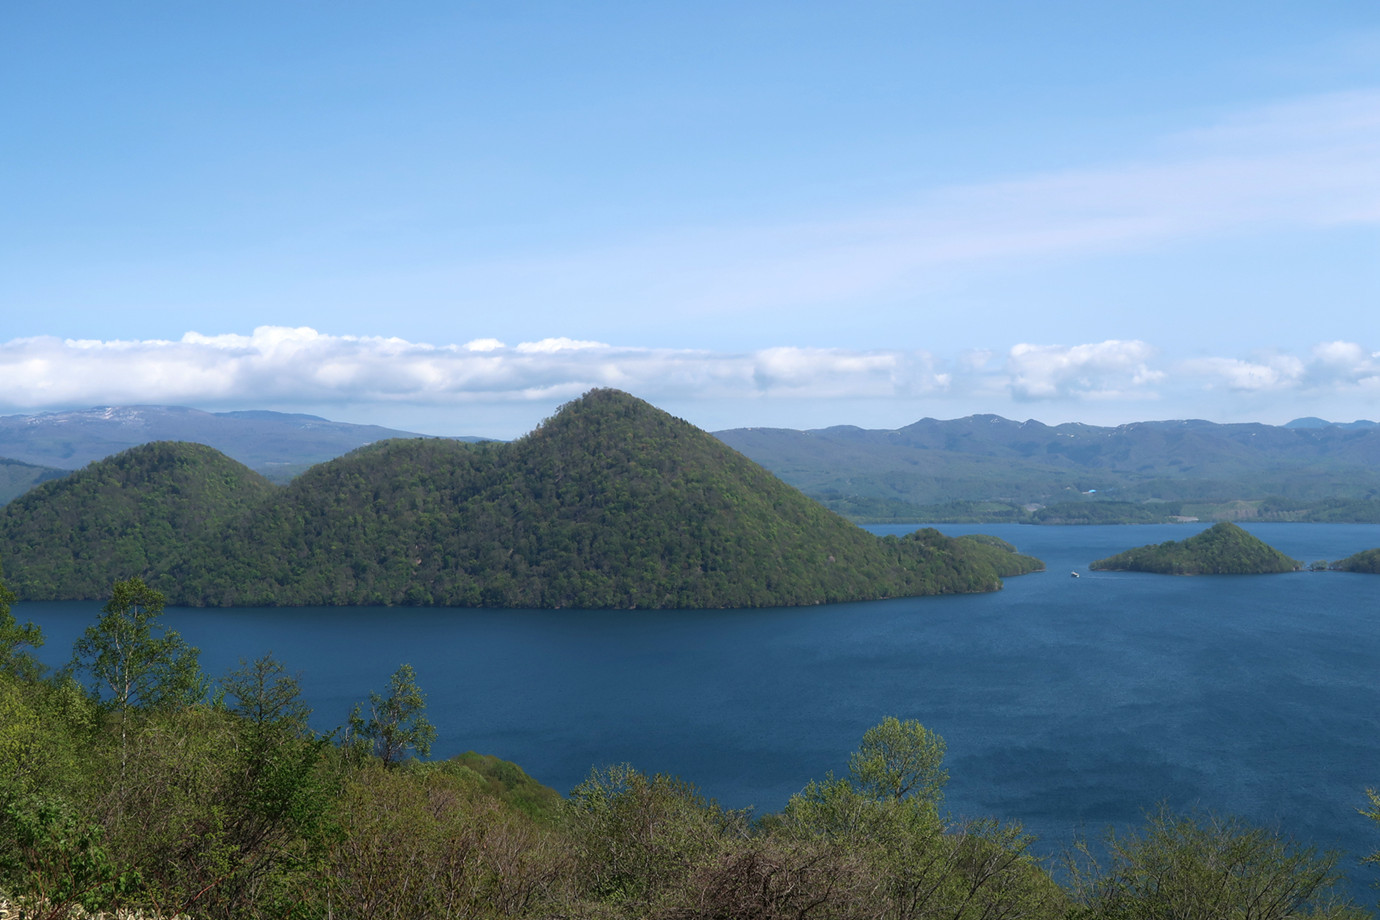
{"x":1067,"y":704}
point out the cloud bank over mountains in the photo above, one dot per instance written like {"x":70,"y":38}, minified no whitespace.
{"x":282,"y":367}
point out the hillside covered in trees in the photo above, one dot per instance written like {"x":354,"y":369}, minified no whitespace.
{"x":610,"y":503}
{"x":1222,"y":549}
{"x":1366,"y":562}
{"x":126,"y":515}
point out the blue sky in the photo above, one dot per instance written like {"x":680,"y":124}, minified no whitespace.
{"x":452,"y":218}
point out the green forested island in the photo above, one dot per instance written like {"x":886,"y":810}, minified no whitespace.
{"x":610,"y":503}
{"x":1223,"y":549}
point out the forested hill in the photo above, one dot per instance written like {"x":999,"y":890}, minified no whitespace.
{"x":126,"y":514}
{"x":610,"y":503}
{"x":1366,"y":562}
{"x":1223,"y":549}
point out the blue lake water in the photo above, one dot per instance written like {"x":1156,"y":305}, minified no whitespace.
{"x":1067,"y":704}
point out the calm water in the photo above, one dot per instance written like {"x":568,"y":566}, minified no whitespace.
{"x":1067,"y":704}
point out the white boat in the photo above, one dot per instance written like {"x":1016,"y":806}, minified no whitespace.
{"x":1074,"y":574}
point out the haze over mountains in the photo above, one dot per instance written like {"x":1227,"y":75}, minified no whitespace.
{"x":262,"y":440}
{"x":986,"y":458}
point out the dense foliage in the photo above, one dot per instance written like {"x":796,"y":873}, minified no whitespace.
{"x":227,"y":805}
{"x":1367,"y":562}
{"x":1222,"y":549}
{"x":611,"y":503}
{"x":126,"y":516}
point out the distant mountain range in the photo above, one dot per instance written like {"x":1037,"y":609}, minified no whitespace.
{"x":279,"y":445}
{"x":610,"y":503}
{"x":882,"y":474}
{"x":17,"y":477}
{"x":1312,"y":422}
{"x":258,"y":439}
{"x":983,"y":467}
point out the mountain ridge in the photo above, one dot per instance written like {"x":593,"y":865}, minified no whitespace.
{"x":18,"y":477}
{"x":987,"y":458}
{"x":279,"y":444}
{"x":931,"y":469}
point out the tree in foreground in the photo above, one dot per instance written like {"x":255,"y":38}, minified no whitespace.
{"x":637,"y":838}
{"x":132,"y":660}
{"x":1206,"y":867}
{"x":397,"y":722}
{"x":13,"y":637}
{"x":900,"y":759}
{"x":266,"y":695}
{"x":134,"y":663}
{"x":884,"y":819}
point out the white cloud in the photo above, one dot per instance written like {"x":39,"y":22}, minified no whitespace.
{"x":283,"y":367}
{"x":552,"y":346}
{"x":1102,"y":370}
{"x":1328,"y":367}
{"x":1275,"y":373}
{"x":1343,"y":364}
{"x":822,"y":373}
{"x":277,"y":365}
{"x":483,"y":345}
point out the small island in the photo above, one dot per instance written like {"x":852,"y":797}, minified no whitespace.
{"x":1222,"y":549}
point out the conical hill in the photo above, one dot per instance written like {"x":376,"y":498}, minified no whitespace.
{"x":1222,"y":549}
{"x":610,"y":503}
{"x":127,"y":515}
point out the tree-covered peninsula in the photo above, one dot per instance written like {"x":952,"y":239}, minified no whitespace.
{"x":1222,"y":549}
{"x":1366,"y":562}
{"x":609,"y":503}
